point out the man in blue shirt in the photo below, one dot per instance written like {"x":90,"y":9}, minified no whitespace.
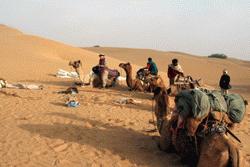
{"x":151,"y":66}
{"x":149,"y":70}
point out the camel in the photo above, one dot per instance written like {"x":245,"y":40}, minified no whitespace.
{"x":77,"y":66}
{"x":164,"y":116}
{"x":137,"y":84}
{"x":163,"y":109}
{"x":208,"y":150}
{"x":133,"y":84}
{"x":109,"y":76}
{"x":198,"y":141}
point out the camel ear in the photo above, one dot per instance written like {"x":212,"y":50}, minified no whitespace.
{"x":128,"y":63}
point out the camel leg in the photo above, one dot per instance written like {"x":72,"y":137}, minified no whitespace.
{"x":105,"y":78}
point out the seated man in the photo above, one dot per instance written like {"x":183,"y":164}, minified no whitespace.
{"x":150,"y":70}
{"x":174,"y":70}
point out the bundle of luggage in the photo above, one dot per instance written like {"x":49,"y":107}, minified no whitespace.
{"x":2,"y":83}
{"x":199,"y":103}
{"x":200,"y":113}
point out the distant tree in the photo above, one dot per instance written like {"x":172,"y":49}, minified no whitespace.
{"x":218,"y":55}
{"x":96,"y":46}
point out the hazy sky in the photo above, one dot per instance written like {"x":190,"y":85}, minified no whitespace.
{"x":195,"y":26}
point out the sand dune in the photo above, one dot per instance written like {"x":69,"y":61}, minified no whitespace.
{"x":209,"y":69}
{"x":37,"y":129}
{"x":28,"y":57}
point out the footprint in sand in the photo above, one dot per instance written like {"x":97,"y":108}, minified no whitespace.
{"x":61,"y":147}
{"x":56,"y":162}
{"x":118,"y":121}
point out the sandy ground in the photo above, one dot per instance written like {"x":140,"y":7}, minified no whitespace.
{"x":37,"y":129}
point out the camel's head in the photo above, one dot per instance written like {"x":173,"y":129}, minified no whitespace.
{"x":75,"y":63}
{"x":126,"y":66}
{"x":159,"y":91}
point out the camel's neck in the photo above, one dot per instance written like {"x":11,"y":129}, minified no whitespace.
{"x":129,"y":79}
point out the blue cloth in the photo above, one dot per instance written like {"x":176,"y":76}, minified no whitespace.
{"x":73,"y":104}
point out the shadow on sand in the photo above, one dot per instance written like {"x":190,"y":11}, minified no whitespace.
{"x":61,"y":82}
{"x":129,"y":144}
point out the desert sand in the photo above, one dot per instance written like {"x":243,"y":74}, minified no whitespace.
{"x":37,"y":129}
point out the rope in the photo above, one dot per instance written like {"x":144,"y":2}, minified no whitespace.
{"x":196,"y":145}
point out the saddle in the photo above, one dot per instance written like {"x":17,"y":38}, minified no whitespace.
{"x":112,"y":73}
{"x":141,"y":74}
{"x":144,"y":76}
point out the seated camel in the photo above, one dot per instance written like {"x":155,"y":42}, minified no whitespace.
{"x":209,"y":149}
{"x":137,"y":84}
{"x":133,"y":84}
{"x":109,"y":77}
{"x":164,"y":116}
{"x":198,"y":138}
